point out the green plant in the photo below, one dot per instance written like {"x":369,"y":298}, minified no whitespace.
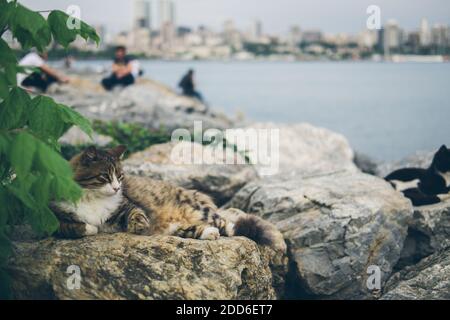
{"x":134,"y":136}
{"x":32,"y":171}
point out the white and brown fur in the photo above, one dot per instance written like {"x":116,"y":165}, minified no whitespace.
{"x":425,"y":186}
{"x":112,"y":202}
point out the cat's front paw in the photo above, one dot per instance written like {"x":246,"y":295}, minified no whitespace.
{"x":90,"y":230}
{"x":210,"y":233}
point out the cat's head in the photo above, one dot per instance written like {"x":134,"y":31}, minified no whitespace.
{"x":441,"y":160}
{"x":99,"y":170}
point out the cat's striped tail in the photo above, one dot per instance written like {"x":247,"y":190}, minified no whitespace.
{"x":253,"y":227}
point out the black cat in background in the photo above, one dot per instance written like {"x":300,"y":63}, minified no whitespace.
{"x":425,"y":186}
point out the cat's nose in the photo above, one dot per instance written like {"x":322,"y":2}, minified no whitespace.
{"x":116,"y":189}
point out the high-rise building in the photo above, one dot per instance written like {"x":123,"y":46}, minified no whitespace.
{"x":295,"y":36}
{"x":392,"y":37}
{"x":425,"y":33}
{"x":142,"y":14}
{"x":167,"y":24}
{"x":257,"y":30}
{"x":166,"y":12}
{"x":439,"y":35}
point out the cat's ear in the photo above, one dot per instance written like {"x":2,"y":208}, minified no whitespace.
{"x":118,"y":151}
{"x":443,"y":149}
{"x":89,"y":155}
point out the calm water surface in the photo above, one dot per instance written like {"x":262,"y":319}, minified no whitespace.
{"x":386,"y":110}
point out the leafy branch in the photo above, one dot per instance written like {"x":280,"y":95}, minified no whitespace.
{"x":32,"y":171}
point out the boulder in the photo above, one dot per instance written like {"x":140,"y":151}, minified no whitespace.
{"x":126,"y":266}
{"x":336,"y":225}
{"x":76,"y":137}
{"x":365,"y":163}
{"x":427,"y":280}
{"x":146,"y":102}
{"x":305,"y":148}
{"x":217,"y":179}
{"x":429,"y":231}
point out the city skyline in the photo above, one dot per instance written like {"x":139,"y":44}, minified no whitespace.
{"x":349,"y":16}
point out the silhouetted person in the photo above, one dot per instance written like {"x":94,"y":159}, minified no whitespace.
{"x":122,"y":70}
{"x":39,"y":80}
{"x":68,"y":61}
{"x":188,"y":86}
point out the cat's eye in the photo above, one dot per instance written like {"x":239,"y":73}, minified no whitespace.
{"x":120,"y":178}
{"x":103,"y":178}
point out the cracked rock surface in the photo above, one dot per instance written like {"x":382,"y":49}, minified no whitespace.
{"x":125,"y":266}
{"x":427,"y":280}
{"x":336,"y":225}
{"x":429,"y":232}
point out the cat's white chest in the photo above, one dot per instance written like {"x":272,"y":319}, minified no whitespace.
{"x":97,"y":210}
{"x":446,"y":176}
{"x":403,"y":185}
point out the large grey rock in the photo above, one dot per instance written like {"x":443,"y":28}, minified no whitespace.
{"x":365,"y":163}
{"x":75,"y":136}
{"x":429,"y":231}
{"x":304,"y":148}
{"x":164,"y":162}
{"x":335,"y":224}
{"x":125,"y":266}
{"x":146,"y":102}
{"x":427,"y":280}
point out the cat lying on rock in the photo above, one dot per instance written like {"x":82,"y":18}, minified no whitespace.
{"x":425,"y":186}
{"x":115,"y":202}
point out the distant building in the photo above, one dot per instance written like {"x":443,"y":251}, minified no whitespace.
{"x":440,"y":35}
{"x":425,"y":33}
{"x":312,"y":36}
{"x":257,"y":30}
{"x":167,"y":22}
{"x":183,"y":31}
{"x":392,"y":37}
{"x":367,"y":39}
{"x":413,"y":43}
{"x":142,"y":14}
{"x":295,"y":36}
{"x":166,"y":12}
{"x":231,"y":35}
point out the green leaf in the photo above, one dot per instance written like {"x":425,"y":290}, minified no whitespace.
{"x":74,"y":118}
{"x":41,"y":173}
{"x":5,"y":282}
{"x":50,"y":120}
{"x":13,"y":108}
{"x":6,"y":9}
{"x":22,"y":153}
{"x":63,"y":34}
{"x":4,"y":86}
{"x":11,"y":74}
{"x":5,"y":247}
{"x":30,"y":28}
{"x":7,"y":56}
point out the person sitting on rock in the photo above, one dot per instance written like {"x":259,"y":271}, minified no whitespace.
{"x":188,"y":86}
{"x":42,"y":78}
{"x":122,"y":70}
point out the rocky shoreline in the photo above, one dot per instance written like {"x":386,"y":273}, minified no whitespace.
{"x":337,"y":216}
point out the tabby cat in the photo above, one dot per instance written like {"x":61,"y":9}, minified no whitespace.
{"x":114,"y":202}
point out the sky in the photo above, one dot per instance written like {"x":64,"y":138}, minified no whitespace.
{"x":331,"y":16}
